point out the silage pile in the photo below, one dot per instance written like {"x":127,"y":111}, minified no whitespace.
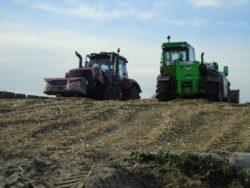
{"x":71,"y":135}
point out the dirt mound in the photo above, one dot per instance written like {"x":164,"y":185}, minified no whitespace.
{"x":103,"y":176}
{"x":74,"y":134}
{"x":34,"y":174}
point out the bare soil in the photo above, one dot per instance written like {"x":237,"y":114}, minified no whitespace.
{"x":46,"y":141}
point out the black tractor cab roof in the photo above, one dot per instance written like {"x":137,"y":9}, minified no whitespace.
{"x":106,"y":54}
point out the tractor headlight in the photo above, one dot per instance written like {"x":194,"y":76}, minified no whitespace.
{"x":45,"y":87}
{"x":68,"y":84}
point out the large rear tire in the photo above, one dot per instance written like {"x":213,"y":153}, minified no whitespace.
{"x":134,"y":93}
{"x":214,"y":92}
{"x":163,"y":91}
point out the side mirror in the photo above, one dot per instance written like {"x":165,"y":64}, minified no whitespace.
{"x":87,"y":59}
{"x":225,"y":70}
{"x":66,"y":75}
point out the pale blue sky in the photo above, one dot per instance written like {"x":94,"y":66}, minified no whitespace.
{"x":38,"y":37}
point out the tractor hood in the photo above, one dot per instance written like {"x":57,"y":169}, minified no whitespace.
{"x":82,"y":68}
{"x":60,"y":79}
{"x":89,"y":73}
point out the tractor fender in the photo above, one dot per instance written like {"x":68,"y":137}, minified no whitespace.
{"x":126,"y":84}
{"x":214,"y":78}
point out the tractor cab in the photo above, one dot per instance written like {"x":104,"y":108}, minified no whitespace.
{"x":177,"y":51}
{"x":112,"y":64}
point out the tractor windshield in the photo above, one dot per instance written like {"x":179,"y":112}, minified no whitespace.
{"x":102,"y":62}
{"x":171,"y":56}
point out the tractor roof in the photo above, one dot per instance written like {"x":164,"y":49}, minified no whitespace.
{"x":175,"y":45}
{"x":105,"y":54}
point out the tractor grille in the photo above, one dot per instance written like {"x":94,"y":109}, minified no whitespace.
{"x":75,"y":84}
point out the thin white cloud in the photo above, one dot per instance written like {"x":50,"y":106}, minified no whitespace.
{"x":205,"y":3}
{"x":84,"y":10}
{"x":104,"y":10}
{"x":189,"y":23}
{"x":99,"y":10}
{"x":234,"y":24}
{"x":206,"y":23}
{"x":217,"y":3}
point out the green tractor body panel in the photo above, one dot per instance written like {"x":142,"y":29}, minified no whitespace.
{"x":187,"y":78}
{"x":182,"y":76}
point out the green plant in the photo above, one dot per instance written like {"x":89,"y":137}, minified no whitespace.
{"x":207,"y":168}
{"x":162,"y":156}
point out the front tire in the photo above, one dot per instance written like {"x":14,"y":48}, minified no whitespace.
{"x":214,"y":92}
{"x":98,"y":92}
{"x":109,"y":94}
{"x":163,"y":91}
{"x":134,"y":93}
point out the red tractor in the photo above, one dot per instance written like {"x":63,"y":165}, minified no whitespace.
{"x":104,"y":77}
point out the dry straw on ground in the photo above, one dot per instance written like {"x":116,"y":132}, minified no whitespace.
{"x":77,"y":133}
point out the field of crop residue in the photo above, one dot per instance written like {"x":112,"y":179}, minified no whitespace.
{"x":46,"y":140}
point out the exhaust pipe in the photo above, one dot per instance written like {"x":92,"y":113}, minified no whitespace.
{"x":80,"y":59}
{"x":202,"y":57}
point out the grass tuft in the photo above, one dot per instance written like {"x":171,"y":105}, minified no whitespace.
{"x":206,"y":168}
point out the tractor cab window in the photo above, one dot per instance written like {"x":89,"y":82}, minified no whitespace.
{"x":171,"y":56}
{"x":122,"y":69}
{"x":101,"y":62}
{"x":104,"y":64}
{"x":191,"y":54}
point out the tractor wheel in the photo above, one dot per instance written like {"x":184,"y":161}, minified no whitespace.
{"x":163,"y":91}
{"x":109,"y":94}
{"x":134,"y":93}
{"x":214,"y":92}
{"x":98,"y":93}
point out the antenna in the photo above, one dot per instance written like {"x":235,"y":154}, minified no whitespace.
{"x":169,"y":37}
{"x":118,"y":51}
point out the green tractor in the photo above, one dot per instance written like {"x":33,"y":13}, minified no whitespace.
{"x":181,"y":76}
